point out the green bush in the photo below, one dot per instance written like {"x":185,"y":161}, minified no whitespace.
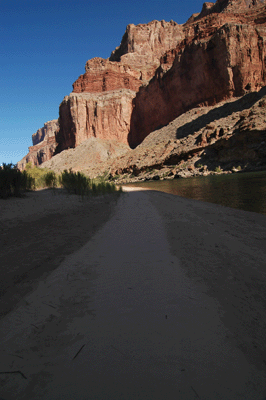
{"x":78,"y":183}
{"x":218,"y":169}
{"x":75,"y":182}
{"x":13,"y":182}
{"x":42,"y":177}
{"x":50,"y":179}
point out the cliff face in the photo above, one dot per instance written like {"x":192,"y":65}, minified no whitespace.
{"x":216,"y":55}
{"x":101,"y":103}
{"x":228,"y":137}
{"x":47,"y":131}
{"x":134,"y":62}
{"x":160,"y":71}
{"x":102,"y":115}
{"x":143,"y":45}
{"x":44,"y":145}
{"x":204,"y":72}
{"x":103,"y":75}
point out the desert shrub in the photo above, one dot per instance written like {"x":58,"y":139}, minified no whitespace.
{"x":116,"y":176}
{"x":78,"y":183}
{"x":37,"y":175}
{"x":28,"y":183}
{"x":42,"y":177}
{"x":75,"y":182}
{"x":218,"y":169}
{"x":29,"y":166}
{"x":13,"y":182}
{"x":102,"y":178}
{"x":50,"y":179}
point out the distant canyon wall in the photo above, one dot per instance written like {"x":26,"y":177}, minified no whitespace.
{"x":44,"y":145}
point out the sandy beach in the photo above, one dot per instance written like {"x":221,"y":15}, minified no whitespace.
{"x":143,"y":296}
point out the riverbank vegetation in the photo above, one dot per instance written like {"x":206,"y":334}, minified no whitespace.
{"x":78,"y":183}
{"x":14,"y":182}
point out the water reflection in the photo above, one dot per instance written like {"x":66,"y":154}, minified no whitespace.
{"x":246,"y":191}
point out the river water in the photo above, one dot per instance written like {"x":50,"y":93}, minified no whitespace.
{"x":246,"y":191}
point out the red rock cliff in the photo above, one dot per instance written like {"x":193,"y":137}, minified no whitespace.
{"x":103,"y":75}
{"x":44,"y":145}
{"x":103,"y":115}
{"x":216,"y":61}
{"x":101,"y":102}
{"x":163,"y":69}
{"x":47,"y":131}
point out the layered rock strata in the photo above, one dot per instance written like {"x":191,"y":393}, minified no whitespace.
{"x":218,"y":54}
{"x":160,"y":71}
{"x":47,"y":131}
{"x":204,"y":72}
{"x":101,"y":102}
{"x":44,"y":145}
{"x":103,"y":75}
{"x":102,"y":115}
{"x":142,"y":45}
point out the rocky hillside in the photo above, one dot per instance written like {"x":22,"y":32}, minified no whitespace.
{"x":179,"y":95}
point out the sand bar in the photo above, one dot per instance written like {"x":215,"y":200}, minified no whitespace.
{"x":164,"y":301}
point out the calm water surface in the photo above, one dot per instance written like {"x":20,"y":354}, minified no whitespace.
{"x":246,"y":191}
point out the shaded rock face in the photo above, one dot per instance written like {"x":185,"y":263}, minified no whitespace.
{"x":231,"y":62}
{"x":229,"y":135}
{"x":44,"y":145}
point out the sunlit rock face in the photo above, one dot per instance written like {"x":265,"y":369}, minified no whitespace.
{"x":101,"y":115}
{"x":44,"y":145}
{"x":101,"y":102}
{"x":160,"y":71}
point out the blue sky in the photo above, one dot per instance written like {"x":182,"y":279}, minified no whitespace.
{"x":44,"y":45}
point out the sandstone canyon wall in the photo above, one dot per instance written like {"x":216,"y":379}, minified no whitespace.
{"x":102,"y":100}
{"x":171,"y":68}
{"x":204,"y":72}
{"x":43,"y":147}
{"x":47,"y":131}
{"x":101,"y":115}
{"x":159,"y":71}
